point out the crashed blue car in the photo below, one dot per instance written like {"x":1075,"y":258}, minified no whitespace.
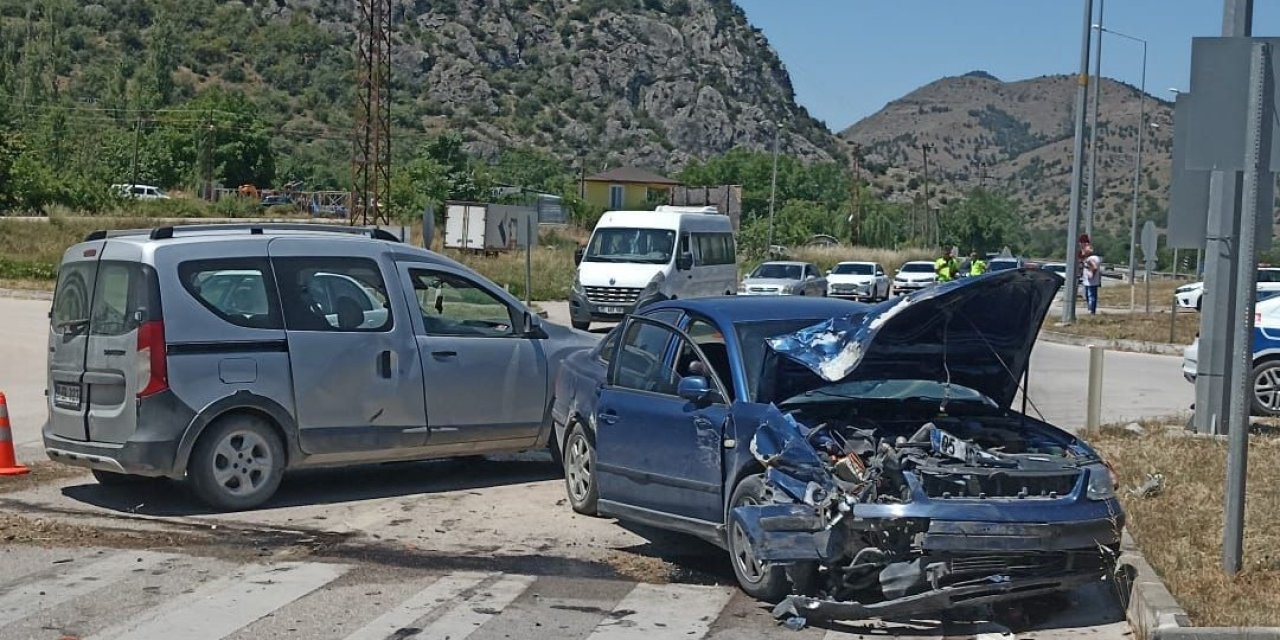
{"x":855,"y":461}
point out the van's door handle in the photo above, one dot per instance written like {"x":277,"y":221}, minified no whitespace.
{"x":384,"y":364}
{"x":608,"y":416}
{"x":113,"y":352}
{"x":444,"y":354}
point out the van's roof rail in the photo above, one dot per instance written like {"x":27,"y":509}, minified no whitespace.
{"x":165,"y":232}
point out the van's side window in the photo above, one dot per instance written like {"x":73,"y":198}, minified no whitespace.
{"x":238,"y":290}
{"x":714,"y":248}
{"x":455,"y":306}
{"x":333,"y":294}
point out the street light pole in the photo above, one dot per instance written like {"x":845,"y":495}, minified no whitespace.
{"x":1093,"y":130}
{"x":1137,"y":165}
{"x":773,"y":187}
{"x":1077,"y":166}
{"x":928,"y":217}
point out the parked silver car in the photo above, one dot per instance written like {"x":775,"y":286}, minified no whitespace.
{"x":226,"y":354}
{"x":784,"y":278}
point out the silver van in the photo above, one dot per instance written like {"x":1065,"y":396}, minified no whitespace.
{"x":226,"y":354}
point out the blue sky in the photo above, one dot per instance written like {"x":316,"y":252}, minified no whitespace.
{"x":847,"y":58}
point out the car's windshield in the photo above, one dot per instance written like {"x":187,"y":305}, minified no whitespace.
{"x":917,"y":267}
{"x":1001,"y":265}
{"x":780,"y":271}
{"x":853,"y":268}
{"x":915,"y":390}
{"x":650,"y":246}
{"x":751,"y":338}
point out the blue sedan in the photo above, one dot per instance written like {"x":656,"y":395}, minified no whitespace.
{"x":854,"y":460}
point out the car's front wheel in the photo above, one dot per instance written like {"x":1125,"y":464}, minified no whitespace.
{"x":1266,"y":388}
{"x":758,"y":580}
{"x":237,"y":464}
{"x":581,"y":325}
{"x":580,"y":470}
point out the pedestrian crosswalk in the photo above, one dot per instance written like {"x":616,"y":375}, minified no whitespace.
{"x":112,"y":594}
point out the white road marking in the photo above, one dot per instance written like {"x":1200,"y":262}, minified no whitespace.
{"x":27,"y":598}
{"x":462,"y":620}
{"x":429,"y":599}
{"x":223,"y":606}
{"x":663,"y":611}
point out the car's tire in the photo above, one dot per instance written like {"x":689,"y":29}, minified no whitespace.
{"x":581,"y":325}
{"x":1198,"y":301}
{"x":1266,"y":388}
{"x":580,"y":470}
{"x":237,"y":463}
{"x":113,"y":479}
{"x":769,"y":584}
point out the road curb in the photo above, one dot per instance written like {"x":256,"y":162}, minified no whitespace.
{"x":1152,"y":612}
{"x":1136,"y":346}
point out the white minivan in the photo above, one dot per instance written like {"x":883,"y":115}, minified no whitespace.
{"x":638,"y":257}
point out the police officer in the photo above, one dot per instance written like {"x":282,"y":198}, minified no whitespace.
{"x":976,"y":265}
{"x":946,"y":268}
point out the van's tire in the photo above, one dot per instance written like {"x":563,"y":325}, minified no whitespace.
{"x":237,"y":463}
{"x":113,"y":479}
{"x":580,"y":482}
{"x":581,"y":325}
{"x":769,"y":584}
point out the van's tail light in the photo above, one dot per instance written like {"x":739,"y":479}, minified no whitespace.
{"x":153,"y":370}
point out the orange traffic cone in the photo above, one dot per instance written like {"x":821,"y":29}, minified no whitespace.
{"x":8,"y":462}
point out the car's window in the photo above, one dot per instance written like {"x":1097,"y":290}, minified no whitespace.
{"x":120,"y":292}
{"x":452,"y":305}
{"x":609,"y":345}
{"x":709,"y":338}
{"x":333,"y":294}
{"x":852,"y":268}
{"x":917,"y":267}
{"x":234,"y":289}
{"x":71,"y":298}
{"x":751,"y":340}
{"x":641,"y":360}
{"x":780,"y":271}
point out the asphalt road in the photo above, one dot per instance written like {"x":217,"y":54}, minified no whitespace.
{"x":462,"y":549}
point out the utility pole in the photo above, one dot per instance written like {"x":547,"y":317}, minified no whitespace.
{"x":1093,"y":130}
{"x":773,"y":186}
{"x":855,"y":221}
{"x":1077,"y":166}
{"x":928,"y":217}
{"x":133,"y":171}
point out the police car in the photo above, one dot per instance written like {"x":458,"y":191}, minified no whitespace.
{"x":1266,"y":355}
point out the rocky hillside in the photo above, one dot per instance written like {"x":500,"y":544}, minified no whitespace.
{"x":1017,"y":137}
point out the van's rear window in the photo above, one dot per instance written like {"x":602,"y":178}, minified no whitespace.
{"x":72,"y":297}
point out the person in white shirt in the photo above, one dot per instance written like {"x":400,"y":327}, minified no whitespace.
{"x":1091,"y":278}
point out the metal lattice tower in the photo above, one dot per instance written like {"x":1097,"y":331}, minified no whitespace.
{"x":371,"y":147}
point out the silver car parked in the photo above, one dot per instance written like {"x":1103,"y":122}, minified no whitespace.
{"x":784,"y":278}
{"x":226,"y":354}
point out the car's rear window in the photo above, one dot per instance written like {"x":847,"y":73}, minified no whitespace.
{"x":238,"y":290}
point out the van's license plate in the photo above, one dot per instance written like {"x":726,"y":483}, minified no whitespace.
{"x":66,"y":395}
{"x":613,"y":311}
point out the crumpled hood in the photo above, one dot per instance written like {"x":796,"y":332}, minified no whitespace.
{"x":977,"y":332}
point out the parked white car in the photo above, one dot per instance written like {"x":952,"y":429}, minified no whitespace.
{"x":784,"y":278}
{"x":139,"y":191}
{"x":1266,"y":356}
{"x":858,"y":280}
{"x":1189,"y":296}
{"x":914,"y":275}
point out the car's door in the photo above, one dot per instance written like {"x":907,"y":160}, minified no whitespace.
{"x":485,"y":381}
{"x":658,"y":453}
{"x":357,"y":378}
{"x":68,"y":340}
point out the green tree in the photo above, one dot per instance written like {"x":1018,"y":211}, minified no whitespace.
{"x":982,"y":221}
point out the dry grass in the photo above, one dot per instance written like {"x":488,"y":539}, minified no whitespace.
{"x":1180,"y":530}
{"x":1116,"y":294}
{"x":1138,"y":326}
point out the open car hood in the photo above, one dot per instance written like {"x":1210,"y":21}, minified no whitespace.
{"x":977,"y":332}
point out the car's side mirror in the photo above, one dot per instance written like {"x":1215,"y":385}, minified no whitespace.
{"x":696,"y":389}
{"x":531,"y":328}
{"x":828,"y":272}
{"x":879,"y":273}
{"x":684,"y":262}
{"x":577,"y":254}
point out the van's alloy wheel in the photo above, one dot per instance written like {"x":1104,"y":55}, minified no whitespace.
{"x":579,"y":471}
{"x":237,"y":464}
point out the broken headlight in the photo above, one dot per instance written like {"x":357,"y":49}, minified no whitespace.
{"x":1102,"y":484}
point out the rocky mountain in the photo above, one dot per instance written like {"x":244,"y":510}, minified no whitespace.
{"x":1016,"y":137}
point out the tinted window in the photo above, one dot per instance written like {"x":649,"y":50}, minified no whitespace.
{"x":455,"y":306}
{"x":236,"y":290}
{"x":714,"y":248}
{"x":333,"y":294}
{"x":640,"y":363}
{"x":852,"y":268}
{"x":71,"y":298}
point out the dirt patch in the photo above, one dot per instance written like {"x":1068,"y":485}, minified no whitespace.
{"x":1180,"y":529}
{"x":1113,"y":294}
{"x":641,"y":568}
{"x":41,"y":473}
{"x":1138,"y":326}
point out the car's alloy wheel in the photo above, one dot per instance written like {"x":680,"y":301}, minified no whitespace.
{"x":768,"y":583}
{"x":237,"y":464}
{"x":579,"y":471}
{"x":1266,"y":389}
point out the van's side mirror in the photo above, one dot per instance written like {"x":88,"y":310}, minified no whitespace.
{"x":577,"y":254}
{"x":696,"y":389}
{"x":684,"y":262}
{"x":530,"y":328}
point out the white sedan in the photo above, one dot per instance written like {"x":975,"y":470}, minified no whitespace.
{"x":1190,"y":296}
